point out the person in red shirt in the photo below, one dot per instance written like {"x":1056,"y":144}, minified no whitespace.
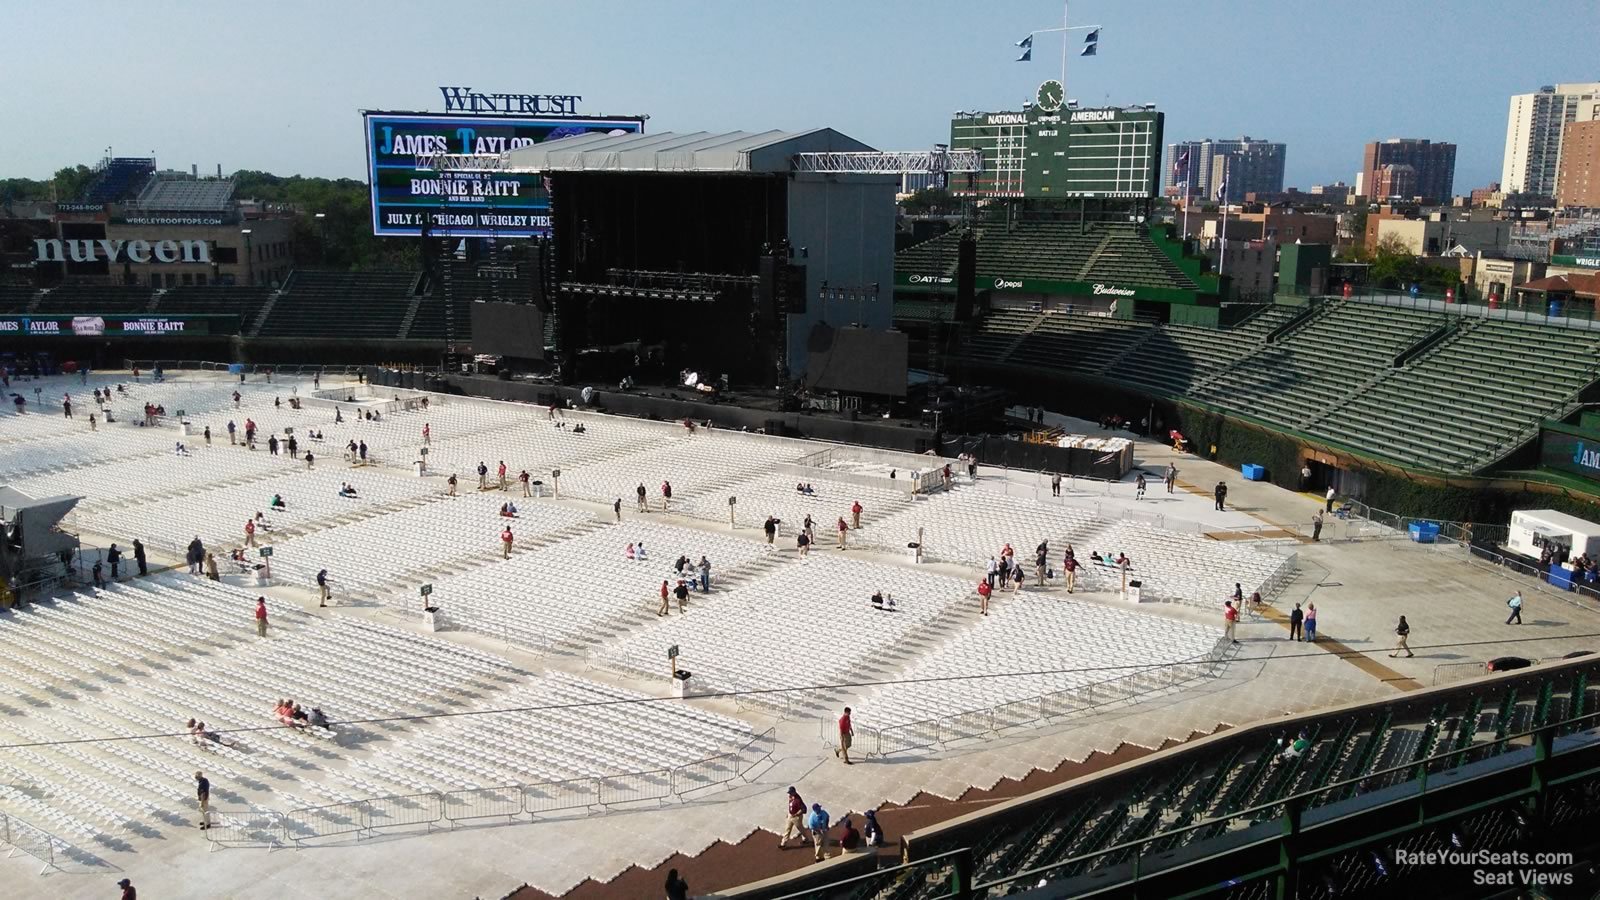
{"x":983,"y":596}
{"x":1230,"y":619}
{"x":855,"y":514}
{"x":250,"y":533}
{"x":427,"y":433}
{"x":1070,"y":565}
{"x":261,"y":617}
{"x":665,"y":593}
{"x":501,"y":471}
{"x":847,"y":733}
{"x":505,"y":540}
{"x":796,"y":824}
{"x":128,"y":890}
{"x":843,"y":527}
{"x":666,"y":495}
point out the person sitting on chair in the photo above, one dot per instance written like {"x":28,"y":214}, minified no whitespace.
{"x":277,"y":502}
{"x":317,"y":719}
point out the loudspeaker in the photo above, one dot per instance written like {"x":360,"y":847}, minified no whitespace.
{"x":767,"y":287}
{"x":792,"y":289}
{"x":966,"y":276}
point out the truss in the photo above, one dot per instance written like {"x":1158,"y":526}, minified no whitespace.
{"x":901,"y":162}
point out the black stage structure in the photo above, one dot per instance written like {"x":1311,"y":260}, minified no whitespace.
{"x":708,"y":253}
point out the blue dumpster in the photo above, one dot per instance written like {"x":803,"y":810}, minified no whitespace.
{"x":1424,"y":532}
{"x":235,"y":368}
{"x":1253,"y":472}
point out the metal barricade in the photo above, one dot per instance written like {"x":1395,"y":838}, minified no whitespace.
{"x":704,"y":773}
{"x":756,"y":752}
{"x":910,"y":736}
{"x":247,"y":828}
{"x":404,"y":810}
{"x":551,"y":796}
{"x":31,"y":840}
{"x":312,"y":822}
{"x":483,"y":803}
{"x":636,"y":786}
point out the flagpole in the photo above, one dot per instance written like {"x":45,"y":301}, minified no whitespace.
{"x":1064,"y":33}
{"x":1185,"y":209}
{"x":1222,"y":233}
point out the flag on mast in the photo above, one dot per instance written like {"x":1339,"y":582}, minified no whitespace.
{"x":1027,"y":49}
{"x":1091,"y":43}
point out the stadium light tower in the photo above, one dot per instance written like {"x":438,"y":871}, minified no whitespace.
{"x":249,"y":258}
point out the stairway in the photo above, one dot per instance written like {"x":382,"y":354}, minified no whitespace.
{"x":33,"y":304}
{"x":254,"y":329}
{"x":410,"y":316}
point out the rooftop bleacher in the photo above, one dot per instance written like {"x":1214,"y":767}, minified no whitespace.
{"x":181,"y":192}
{"x":349,"y":305}
{"x":118,"y":179}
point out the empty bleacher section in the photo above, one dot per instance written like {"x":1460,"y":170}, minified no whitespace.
{"x":1473,"y":398}
{"x":93,"y":299}
{"x":118,"y":179}
{"x":176,"y":191}
{"x":341,"y":305}
{"x":240,"y":301}
{"x":1053,"y":250}
{"x":15,"y":298}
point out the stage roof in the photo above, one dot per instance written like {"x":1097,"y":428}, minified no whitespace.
{"x":696,"y":151}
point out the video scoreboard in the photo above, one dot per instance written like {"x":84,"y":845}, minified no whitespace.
{"x":1066,"y":153}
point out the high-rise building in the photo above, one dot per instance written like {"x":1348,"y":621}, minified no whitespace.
{"x":1578,"y":178}
{"x":1534,"y":130}
{"x":1252,"y":166}
{"x":1432,"y":165}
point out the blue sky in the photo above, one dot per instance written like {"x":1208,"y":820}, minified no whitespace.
{"x":278,"y":86}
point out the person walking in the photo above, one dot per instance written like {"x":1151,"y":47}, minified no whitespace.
{"x":1230,"y":621}
{"x":427,"y":433}
{"x":843,"y":527}
{"x":640,"y":493}
{"x":1329,"y":506}
{"x":682,"y":593}
{"x":1138,"y":487}
{"x":261,"y":617}
{"x":666,"y":495}
{"x":250,"y":532}
{"x":770,"y":528}
{"x":1069,"y":565}
{"x":984,"y":592}
{"x":1172,"y":476}
{"x":818,"y":823}
{"x":322,"y":586}
{"x":855,"y":514}
{"x":1515,"y":602}
{"x":847,"y":733}
{"x":795,"y":824}
{"x":66,"y":405}
{"x":501,"y":473}
{"x":665,"y":603}
{"x":311,"y":461}
{"x":202,"y":796}
{"x":451,"y":482}
{"x":1055,"y":484}
{"x":1311,"y":623}
{"x":195,"y":556}
{"x":1039,"y":563}
{"x":1221,"y":493}
{"x":208,"y":435}
{"x":231,"y":429}
{"x":483,"y":476}
{"x":1403,"y":631}
{"x":1316,"y":526}
{"x":114,"y":559}
{"x":506,"y":538}
{"x":524,"y":478}
{"x":138,"y":558}
{"x":272,"y":445}
{"x":676,"y":888}
{"x":705,"y":575}
{"x":1296,"y":618}
{"x":128,"y":890}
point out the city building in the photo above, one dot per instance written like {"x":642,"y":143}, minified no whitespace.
{"x":1252,"y":166}
{"x":1534,"y":128}
{"x":1487,"y":196}
{"x":1438,"y":235}
{"x":1578,"y":175}
{"x":1407,"y":168}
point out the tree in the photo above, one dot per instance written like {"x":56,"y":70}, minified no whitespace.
{"x":72,"y":181}
{"x":1393,"y":263}
{"x":930,"y":201}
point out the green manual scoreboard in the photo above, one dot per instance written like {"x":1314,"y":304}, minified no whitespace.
{"x":1064,"y":152}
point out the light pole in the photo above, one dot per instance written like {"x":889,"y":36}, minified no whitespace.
{"x":322,"y":238}
{"x":249,"y":258}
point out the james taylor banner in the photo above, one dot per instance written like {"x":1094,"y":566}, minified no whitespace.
{"x":464,"y":204}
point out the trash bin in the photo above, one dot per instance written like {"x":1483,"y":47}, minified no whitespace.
{"x":536,"y":488}
{"x":183,"y":428}
{"x":680,"y":683}
{"x":1136,"y":590}
{"x":914,"y":549}
{"x":430,"y":618}
{"x":1424,"y":532}
{"x":1253,"y":472}
{"x":418,"y":464}
{"x":261,"y":577}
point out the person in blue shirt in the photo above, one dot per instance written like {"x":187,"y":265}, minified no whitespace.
{"x":818,"y":823}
